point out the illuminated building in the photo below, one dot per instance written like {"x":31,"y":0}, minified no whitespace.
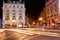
{"x":13,"y":14}
{"x":52,"y":12}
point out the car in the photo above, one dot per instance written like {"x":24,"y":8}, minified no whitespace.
{"x":42,"y":26}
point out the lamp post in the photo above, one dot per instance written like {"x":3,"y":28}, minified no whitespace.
{"x":40,"y":19}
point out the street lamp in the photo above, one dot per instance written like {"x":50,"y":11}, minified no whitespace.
{"x":40,"y":20}
{"x":33,"y":22}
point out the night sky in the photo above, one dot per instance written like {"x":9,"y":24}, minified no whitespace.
{"x":33,"y":7}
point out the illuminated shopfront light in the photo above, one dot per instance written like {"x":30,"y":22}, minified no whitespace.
{"x":13,"y":20}
{"x":20,"y":25}
{"x":52,"y":24}
{"x":56,"y":19}
{"x":6,"y":22}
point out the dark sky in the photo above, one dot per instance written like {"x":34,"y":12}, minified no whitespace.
{"x":33,"y":7}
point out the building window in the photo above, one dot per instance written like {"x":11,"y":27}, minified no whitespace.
{"x":14,"y":13}
{"x":56,"y":14}
{"x":56,"y":7}
{"x":14,"y":17}
{"x":17,"y":6}
{"x":20,"y":10}
{"x":51,"y":9}
{"x":5,"y":5}
{"x":7,"y":13}
{"x":7,"y":10}
{"x":7,"y":17}
{"x":51,"y":16}
{"x":20,"y":17}
{"x":14,"y":10}
{"x":14,"y":6}
{"x":20,"y":13}
{"x":21,"y":6}
{"x":48,"y":11}
{"x":9,"y":6}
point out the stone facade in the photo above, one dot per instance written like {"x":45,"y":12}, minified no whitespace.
{"x":13,"y":14}
{"x":52,"y":12}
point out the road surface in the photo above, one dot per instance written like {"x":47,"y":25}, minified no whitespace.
{"x":44,"y":37}
{"x":28,"y":34}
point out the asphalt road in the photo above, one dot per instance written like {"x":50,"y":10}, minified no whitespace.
{"x":43,"y":37}
{"x":11,"y":35}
